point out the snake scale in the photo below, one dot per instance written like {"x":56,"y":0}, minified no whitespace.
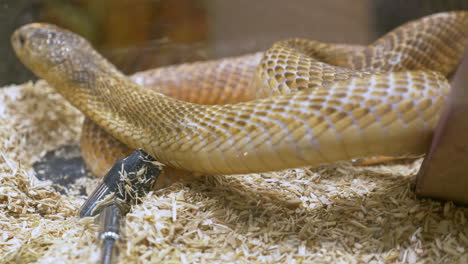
{"x":300,"y":103}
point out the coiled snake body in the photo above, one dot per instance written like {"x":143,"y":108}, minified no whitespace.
{"x":300,"y":103}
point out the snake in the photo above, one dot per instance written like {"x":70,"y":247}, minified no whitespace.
{"x":300,"y":103}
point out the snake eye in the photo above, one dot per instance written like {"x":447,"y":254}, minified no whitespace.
{"x":22,"y":40}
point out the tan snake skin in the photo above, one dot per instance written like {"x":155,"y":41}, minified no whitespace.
{"x":302,"y":102}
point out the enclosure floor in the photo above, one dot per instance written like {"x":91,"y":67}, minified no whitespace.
{"x":335,"y":214}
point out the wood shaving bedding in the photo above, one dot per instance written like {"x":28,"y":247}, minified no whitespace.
{"x":330,"y":214}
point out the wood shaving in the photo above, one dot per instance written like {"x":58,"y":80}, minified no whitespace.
{"x":330,"y":214}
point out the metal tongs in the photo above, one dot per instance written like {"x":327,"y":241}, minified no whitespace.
{"x":125,"y":184}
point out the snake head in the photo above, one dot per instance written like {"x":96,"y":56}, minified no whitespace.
{"x":41,"y":47}
{"x":53,"y":53}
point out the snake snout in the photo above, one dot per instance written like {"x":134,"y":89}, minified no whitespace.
{"x":18,"y":39}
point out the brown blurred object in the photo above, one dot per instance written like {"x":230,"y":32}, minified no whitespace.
{"x":134,"y":35}
{"x":444,"y":172}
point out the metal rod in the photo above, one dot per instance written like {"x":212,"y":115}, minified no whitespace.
{"x":109,"y":232}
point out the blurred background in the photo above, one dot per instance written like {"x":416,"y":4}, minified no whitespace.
{"x":141,"y":34}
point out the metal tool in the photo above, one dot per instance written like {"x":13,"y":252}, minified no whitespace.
{"x":109,"y":231}
{"x":125,"y":183}
{"x":443,"y":174}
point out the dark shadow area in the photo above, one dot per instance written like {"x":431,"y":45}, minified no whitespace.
{"x":63,"y":167}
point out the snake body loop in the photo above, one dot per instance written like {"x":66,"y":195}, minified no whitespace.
{"x":300,"y":103}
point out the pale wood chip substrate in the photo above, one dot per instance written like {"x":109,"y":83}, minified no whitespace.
{"x":337,"y":214}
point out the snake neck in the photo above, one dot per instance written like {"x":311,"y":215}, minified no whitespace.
{"x":105,"y":95}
